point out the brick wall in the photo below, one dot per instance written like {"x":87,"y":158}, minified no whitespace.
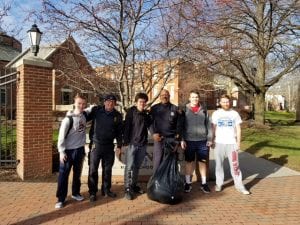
{"x":34,"y":121}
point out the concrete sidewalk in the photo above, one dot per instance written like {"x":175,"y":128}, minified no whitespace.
{"x":275,"y":199}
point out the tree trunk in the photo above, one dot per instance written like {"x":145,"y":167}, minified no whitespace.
{"x":298,"y":105}
{"x":259,"y":105}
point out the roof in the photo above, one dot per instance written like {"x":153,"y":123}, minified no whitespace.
{"x":44,"y":53}
{"x":7,"y":53}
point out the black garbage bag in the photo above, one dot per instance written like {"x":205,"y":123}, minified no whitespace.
{"x":166,"y":184}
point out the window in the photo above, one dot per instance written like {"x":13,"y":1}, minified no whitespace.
{"x":155,"y":72}
{"x":66,"y":96}
{"x":3,"y":96}
{"x":169,"y":72}
{"x":172,"y":92}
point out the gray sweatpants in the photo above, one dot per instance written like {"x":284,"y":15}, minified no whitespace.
{"x":222,"y":151}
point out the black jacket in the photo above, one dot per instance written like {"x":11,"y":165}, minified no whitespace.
{"x":167,"y":120}
{"x":106,"y":126}
{"x":136,"y":127}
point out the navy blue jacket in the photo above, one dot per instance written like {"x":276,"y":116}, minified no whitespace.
{"x":167,"y":120}
{"x":106,"y":126}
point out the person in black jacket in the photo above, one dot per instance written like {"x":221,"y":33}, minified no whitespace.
{"x":168,"y":123}
{"x":136,"y":126}
{"x":106,"y":126}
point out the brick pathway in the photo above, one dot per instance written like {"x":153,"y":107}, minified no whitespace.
{"x":273,"y":201}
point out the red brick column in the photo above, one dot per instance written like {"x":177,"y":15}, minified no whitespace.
{"x":34,"y":118}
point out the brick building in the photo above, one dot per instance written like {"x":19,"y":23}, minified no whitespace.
{"x":9,"y":49}
{"x":72,"y":72}
{"x":177,"y":76}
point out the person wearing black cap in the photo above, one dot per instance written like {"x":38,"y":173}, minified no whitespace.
{"x":106,"y":126}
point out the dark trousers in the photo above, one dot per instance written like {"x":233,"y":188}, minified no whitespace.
{"x":158,"y":153}
{"x":134,"y":157}
{"x":107,"y":155}
{"x":75,"y":160}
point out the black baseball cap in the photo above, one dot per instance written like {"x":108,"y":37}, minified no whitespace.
{"x":110,"y":97}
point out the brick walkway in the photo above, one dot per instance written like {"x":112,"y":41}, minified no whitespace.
{"x":273,"y":201}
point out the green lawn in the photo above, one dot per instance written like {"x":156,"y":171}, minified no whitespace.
{"x":280,"y":118}
{"x":280,"y":144}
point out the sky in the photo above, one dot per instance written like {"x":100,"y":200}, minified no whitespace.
{"x":15,"y":25}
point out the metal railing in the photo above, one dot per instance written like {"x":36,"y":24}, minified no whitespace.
{"x":8,"y":80}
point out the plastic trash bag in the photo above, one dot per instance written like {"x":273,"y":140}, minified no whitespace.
{"x":166,"y":184}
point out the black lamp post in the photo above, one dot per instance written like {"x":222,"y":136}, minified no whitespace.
{"x":35,"y":39}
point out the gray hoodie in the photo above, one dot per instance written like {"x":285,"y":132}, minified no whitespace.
{"x":197,"y":127}
{"x":77,"y":135}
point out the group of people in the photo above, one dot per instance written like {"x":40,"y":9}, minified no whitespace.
{"x":190,"y":126}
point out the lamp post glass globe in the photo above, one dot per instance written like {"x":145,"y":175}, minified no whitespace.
{"x":35,"y":38}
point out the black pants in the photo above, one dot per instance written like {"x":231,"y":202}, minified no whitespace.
{"x":75,"y":160}
{"x":107,"y":155}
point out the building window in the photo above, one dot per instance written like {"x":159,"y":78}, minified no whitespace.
{"x":155,"y":72}
{"x":169,"y":72}
{"x":3,"y":96}
{"x":172,"y":92}
{"x":66,"y":96}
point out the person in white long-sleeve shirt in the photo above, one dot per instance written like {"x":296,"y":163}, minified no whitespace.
{"x":71,"y":141}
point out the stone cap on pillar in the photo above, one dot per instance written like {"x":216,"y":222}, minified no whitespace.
{"x":34,"y":61}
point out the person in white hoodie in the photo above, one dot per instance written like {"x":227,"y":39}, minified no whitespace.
{"x":71,"y":141}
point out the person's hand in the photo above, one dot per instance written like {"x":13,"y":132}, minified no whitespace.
{"x":119,"y":152}
{"x":209,"y":144}
{"x":62,"y":157}
{"x":157,"y":137}
{"x":183,"y":145}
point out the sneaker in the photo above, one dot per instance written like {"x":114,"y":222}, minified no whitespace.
{"x":244,"y":191}
{"x":93,"y":198}
{"x":218,"y":188}
{"x":187,"y":188}
{"x":77,"y":197}
{"x":59,"y":205}
{"x":205,"y":188}
{"x":137,"y":189}
{"x":128,"y":195}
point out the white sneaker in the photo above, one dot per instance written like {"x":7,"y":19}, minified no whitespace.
{"x":59,"y":205}
{"x":77,"y":197}
{"x":244,"y":191}
{"x":218,"y":188}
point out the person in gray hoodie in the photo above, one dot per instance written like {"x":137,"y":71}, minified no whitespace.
{"x":71,"y":141}
{"x":197,"y":138}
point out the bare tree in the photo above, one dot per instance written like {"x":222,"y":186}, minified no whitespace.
{"x":298,"y":105}
{"x":4,"y":8}
{"x":255,"y":43}
{"x":118,"y":34}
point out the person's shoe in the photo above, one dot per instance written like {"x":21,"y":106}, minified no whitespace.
{"x":128,"y":194}
{"x":59,"y":205}
{"x":205,"y":188}
{"x":218,"y":188}
{"x":244,"y":191}
{"x":110,"y":194}
{"x":93,"y":198}
{"x":187,"y":187}
{"x":137,"y":189}
{"x":77,"y":197}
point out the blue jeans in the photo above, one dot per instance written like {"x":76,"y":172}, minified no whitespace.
{"x":134,"y":157}
{"x":75,"y":160}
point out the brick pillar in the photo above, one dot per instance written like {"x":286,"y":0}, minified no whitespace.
{"x":34,"y":118}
